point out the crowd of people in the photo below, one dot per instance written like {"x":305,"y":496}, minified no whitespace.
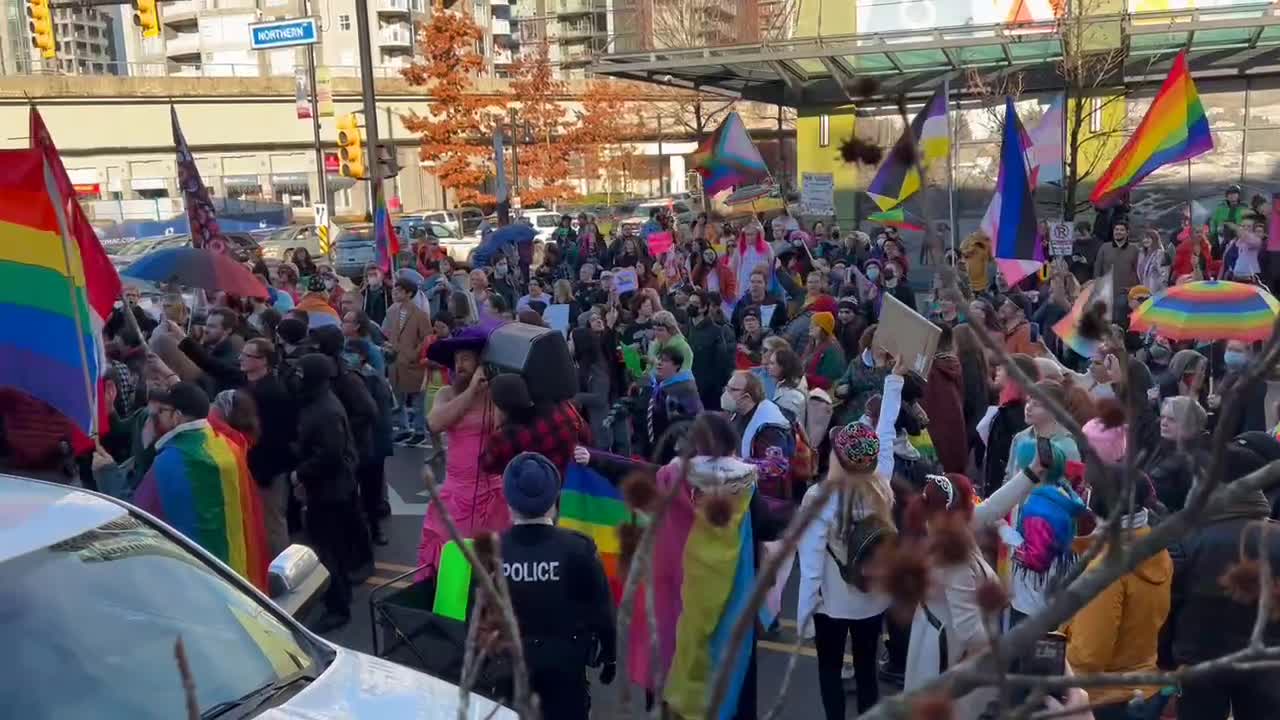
{"x":742,"y":366}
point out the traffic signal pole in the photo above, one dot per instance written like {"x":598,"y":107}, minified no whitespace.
{"x":323,"y":182}
{"x":370,"y":103}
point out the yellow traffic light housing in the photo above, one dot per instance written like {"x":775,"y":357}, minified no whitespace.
{"x":40,"y":17}
{"x":146,"y":15}
{"x":350,"y":151}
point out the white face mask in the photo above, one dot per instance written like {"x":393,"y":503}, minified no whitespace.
{"x":727,"y":403}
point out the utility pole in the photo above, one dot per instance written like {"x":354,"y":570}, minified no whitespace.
{"x":370,"y":103}
{"x":323,"y":181}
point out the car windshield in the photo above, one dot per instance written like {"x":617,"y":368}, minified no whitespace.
{"x":94,"y":619}
{"x":547,"y":221}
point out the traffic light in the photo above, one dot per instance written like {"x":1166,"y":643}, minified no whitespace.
{"x":146,"y":15}
{"x":349,"y":150}
{"x":41,"y":22}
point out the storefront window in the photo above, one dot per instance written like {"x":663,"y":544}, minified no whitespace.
{"x":1264,"y":107}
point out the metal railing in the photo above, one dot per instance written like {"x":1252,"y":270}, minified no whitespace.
{"x":159,"y":68}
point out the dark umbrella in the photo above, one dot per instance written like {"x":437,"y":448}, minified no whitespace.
{"x":204,"y":269}
{"x":513,"y":234}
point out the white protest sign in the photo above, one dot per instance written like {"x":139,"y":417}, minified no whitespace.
{"x":557,"y":317}
{"x":1061,"y":239}
{"x":817,"y":193}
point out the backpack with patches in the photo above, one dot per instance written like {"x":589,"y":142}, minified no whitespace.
{"x":853,"y":544}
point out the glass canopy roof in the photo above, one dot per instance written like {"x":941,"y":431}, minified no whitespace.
{"x":1236,"y":40}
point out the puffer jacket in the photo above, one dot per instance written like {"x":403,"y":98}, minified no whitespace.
{"x":1119,"y":630}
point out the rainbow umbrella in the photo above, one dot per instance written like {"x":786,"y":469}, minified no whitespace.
{"x":1209,"y":310}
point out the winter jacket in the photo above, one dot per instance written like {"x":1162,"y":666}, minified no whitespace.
{"x":823,"y":365}
{"x":672,"y":400}
{"x":1183,"y":264}
{"x":860,"y":383}
{"x":278,"y":418}
{"x":593,"y":400}
{"x":1118,"y":631}
{"x":713,"y":348}
{"x":1173,"y":469}
{"x":775,"y":323}
{"x":407,"y":338}
{"x":1204,"y":622}
{"x":380,"y":433}
{"x":1018,"y":340}
{"x":1123,"y":261}
{"x":943,"y":402}
{"x":1008,"y":422}
{"x":677,"y":342}
{"x":326,"y":452}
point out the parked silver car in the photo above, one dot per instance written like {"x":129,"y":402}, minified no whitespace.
{"x":94,"y":593}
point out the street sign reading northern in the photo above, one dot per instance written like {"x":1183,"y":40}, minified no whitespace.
{"x":284,"y":33}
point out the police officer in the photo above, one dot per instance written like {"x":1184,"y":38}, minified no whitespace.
{"x":558,"y":590}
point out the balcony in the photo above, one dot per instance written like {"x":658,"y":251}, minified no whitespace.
{"x":394,"y":7}
{"x":576,"y":30}
{"x":182,"y":45}
{"x":500,"y":27}
{"x":182,"y":12}
{"x":395,"y":37}
{"x":576,"y":7}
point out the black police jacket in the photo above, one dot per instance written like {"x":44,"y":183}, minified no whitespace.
{"x":560,"y":596}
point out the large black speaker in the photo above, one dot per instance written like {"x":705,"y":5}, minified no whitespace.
{"x":540,"y":354}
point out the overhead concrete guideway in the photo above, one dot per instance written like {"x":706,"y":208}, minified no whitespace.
{"x":1234,"y":41}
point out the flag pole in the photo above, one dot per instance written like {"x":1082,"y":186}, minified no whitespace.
{"x":951,"y":170}
{"x":60,"y":210}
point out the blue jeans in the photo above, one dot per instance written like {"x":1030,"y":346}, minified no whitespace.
{"x":411,"y":406}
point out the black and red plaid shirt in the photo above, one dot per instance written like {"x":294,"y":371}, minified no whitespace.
{"x":553,"y":435}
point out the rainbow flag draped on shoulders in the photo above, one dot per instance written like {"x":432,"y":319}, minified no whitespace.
{"x":201,"y":486}
{"x":1174,"y":129}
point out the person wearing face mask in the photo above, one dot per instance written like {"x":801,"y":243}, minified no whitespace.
{"x":504,"y":282}
{"x":767,"y":437}
{"x":375,"y":295}
{"x":1253,"y":415}
{"x":893,"y":280}
{"x":850,"y":324}
{"x":863,"y":378}
{"x":1120,"y":258}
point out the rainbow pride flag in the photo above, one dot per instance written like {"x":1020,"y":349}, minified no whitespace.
{"x":728,"y":158}
{"x":50,"y":347}
{"x":1174,"y":129}
{"x":384,"y":233}
{"x":200,"y":485}
{"x":591,"y":505}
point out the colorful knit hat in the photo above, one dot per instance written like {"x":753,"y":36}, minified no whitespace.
{"x":855,"y":446}
{"x":825,"y":321}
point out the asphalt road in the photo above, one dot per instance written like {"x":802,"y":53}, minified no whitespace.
{"x":408,"y":501}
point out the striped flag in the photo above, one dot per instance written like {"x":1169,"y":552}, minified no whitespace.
{"x":384,"y":233}
{"x":591,"y":505}
{"x":1046,"y":144}
{"x":897,"y":180}
{"x":200,"y":215}
{"x":1014,"y":241}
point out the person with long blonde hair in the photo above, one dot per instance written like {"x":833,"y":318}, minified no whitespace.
{"x":830,"y":608}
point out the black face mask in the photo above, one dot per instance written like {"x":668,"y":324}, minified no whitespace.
{"x":694,"y":310}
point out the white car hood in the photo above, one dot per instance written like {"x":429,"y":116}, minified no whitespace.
{"x":361,"y":686}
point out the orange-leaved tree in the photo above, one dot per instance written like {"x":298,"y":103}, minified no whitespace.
{"x":456,"y":133}
{"x":605,"y":130}
{"x":545,"y":161}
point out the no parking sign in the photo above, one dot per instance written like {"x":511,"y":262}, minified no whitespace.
{"x":1061,"y":239}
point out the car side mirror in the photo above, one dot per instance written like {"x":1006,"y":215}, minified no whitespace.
{"x":296,"y":579}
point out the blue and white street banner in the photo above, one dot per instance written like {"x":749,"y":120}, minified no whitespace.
{"x":284,"y":33}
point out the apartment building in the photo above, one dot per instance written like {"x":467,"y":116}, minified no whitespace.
{"x":574,"y":30}
{"x":87,"y":41}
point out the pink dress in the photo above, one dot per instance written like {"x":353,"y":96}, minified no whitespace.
{"x":474,"y":499}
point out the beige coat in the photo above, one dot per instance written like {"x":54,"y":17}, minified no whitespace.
{"x":407,"y":340}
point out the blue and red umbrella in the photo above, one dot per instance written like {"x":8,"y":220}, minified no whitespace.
{"x":193,"y":268}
